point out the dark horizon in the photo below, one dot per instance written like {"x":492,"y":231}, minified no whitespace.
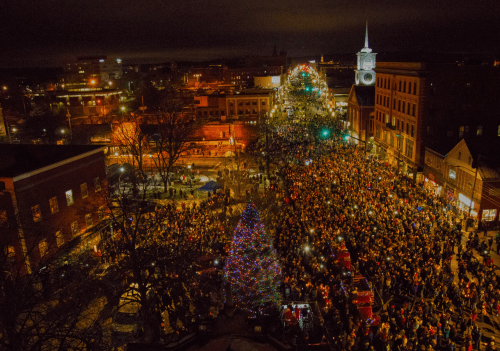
{"x":55,"y":31}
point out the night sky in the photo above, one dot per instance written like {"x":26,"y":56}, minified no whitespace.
{"x":49,"y":32}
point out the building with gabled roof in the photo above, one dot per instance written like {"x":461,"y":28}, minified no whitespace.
{"x":468,"y":175}
{"x":360,"y":112}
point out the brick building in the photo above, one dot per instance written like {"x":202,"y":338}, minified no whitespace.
{"x":247,"y":105}
{"x":360,"y":112}
{"x":400,"y":93}
{"x":49,"y":195}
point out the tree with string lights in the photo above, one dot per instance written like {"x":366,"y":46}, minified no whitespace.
{"x":252,"y":269}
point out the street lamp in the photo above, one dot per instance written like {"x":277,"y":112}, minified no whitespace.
{"x":119,"y":179}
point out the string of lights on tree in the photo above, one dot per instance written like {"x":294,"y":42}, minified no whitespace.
{"x":252,"y":267}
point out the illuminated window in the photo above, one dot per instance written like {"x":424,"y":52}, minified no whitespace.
{"x":479,"y":130}
{"x":69,"y":197}
{"x":3,"y":218}
{"x":54,"y":207}
{"x":102,"y":214}
{"x":43,"y":247}
{"x":10,"y":251}
{"x":97,"y":184}
{"x":88,"y":220}
{"x":59,"y":238}
{"x":74,"y":228}
{"x":37,"y":214}
{"x":452,"y":174}
{"x":461,"y":131}
{"x":498,"y":131}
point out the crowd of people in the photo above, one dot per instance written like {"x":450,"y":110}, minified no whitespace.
{"x":432,"y":286}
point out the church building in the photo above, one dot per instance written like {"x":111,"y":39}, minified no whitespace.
{"x":361,"y":102}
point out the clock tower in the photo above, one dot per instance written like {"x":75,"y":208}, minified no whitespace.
{"x":365,"y":75}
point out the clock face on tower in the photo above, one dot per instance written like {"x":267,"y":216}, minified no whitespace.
{"x":367,"y":78}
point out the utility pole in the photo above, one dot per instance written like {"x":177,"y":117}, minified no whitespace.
{"x":474,"y":186}
{"x":69,"y":122}
{"x":267,"y":148}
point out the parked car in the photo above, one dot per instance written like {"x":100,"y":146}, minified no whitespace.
{"x":126,"y":320}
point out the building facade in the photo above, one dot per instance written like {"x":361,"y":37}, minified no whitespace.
{"x":92,"y":71}
{"x":249,"y":105}
{"x":360,"y":112}
{"x":468,"y":176}
{"x":400,"y":97}
{"x":50,"y":195}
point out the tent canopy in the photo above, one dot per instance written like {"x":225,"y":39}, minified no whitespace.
{"x":210,"y":186}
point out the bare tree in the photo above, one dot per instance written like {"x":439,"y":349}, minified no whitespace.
{"x":174,"y":131}
{"x":129,"y":136}
{"x":42,"y":306}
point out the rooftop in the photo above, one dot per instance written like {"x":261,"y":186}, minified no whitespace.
{"x":17,"y":159}
{"x":365,"y":94}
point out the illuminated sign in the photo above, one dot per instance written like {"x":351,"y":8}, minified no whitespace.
{"x":276,"y":79}
{"x":465,"y":200}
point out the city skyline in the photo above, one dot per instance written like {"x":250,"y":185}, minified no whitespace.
{"x":52,"y":32}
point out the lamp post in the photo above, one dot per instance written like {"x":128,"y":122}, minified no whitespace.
{"x":399,"y":150}
{"x":119,"y":179}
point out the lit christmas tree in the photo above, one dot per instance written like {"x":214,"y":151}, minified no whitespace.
{"x":252,"y":267}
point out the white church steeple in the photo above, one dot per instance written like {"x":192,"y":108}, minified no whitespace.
{"x":366,"y":48}
{"x":365,"y":74}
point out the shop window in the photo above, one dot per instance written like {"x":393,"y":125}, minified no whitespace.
{"x":37,"y":214}
{"x":69,"y":197}
{"x":88,"y":220}
{"x":54,"y":207}
{"x":83,"y":188}
{"x":489,"y":215}
{"x":43,"y":247}
{"x":59,"y":238}
{"x":97,"y":184}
